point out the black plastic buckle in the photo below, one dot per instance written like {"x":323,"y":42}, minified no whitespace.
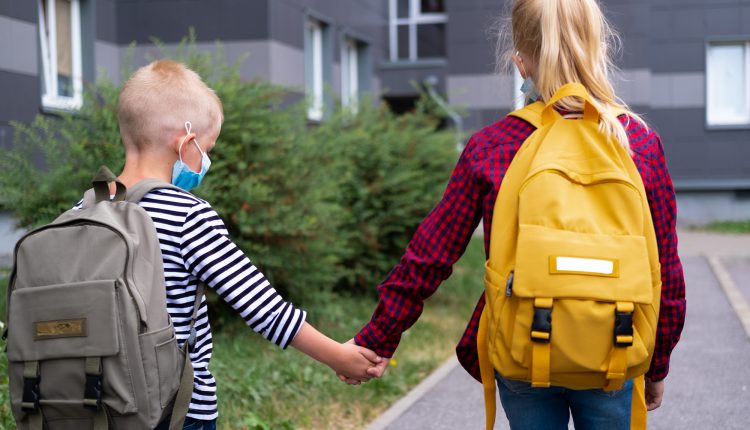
{"x":623,"y":335}
{"x":542,"y":324}
{"x":30,"y":399}
{"x":92,"y":394}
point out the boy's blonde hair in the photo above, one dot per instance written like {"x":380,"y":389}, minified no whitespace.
{"x":157,"y":100}
{"x":569,"y":41}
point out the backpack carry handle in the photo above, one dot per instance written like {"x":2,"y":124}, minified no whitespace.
{"x":574,"y":89}
{"x":101,"y":183}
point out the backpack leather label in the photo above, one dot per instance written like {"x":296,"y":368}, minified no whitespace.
{"x":60,"y":328}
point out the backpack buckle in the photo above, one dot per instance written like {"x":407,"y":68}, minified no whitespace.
{"x":30,"y":400}
{"x":92,"y":393}
{"x":541,"y":326}
{"x":623,"y":334}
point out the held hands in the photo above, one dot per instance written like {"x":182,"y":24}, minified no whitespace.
{"x":356,"y":364}
{"x":375,"y":369}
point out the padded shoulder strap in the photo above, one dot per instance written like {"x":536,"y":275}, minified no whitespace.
{"x":533,"y":113}
{"x":137,"y":191}
{"x":530,"y":113}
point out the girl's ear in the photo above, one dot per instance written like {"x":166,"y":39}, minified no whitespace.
{"x":519,"y":64}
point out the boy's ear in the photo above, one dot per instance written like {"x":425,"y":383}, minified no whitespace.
{"x":181,"y":141}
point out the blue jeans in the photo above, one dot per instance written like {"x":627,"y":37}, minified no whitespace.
{"x":529,"y":408}
{"x":190,"y":424}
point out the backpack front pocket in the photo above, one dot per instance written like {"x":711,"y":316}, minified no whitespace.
{"x":59,"y":327}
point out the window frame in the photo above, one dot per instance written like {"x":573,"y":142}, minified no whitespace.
{"x":315,"y":88}
{"x":415,"y":18}
{"x":350,"y":72}
{"x":51,"y":99}
{"x":744,"y":123}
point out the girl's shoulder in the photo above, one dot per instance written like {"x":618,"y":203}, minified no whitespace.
{"x":509,"y":130}
{"x":644,"y":139}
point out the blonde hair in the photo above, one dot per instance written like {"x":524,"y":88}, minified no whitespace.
{"x":569,"y":41}
{"x":159,"y":98}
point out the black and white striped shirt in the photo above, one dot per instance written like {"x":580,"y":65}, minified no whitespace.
{"x":195,"y":245}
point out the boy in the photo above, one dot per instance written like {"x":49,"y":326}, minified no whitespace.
{"x":169,"y":121}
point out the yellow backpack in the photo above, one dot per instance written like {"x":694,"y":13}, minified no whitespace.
{"x":573,"y":280}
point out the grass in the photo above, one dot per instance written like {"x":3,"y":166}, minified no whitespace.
{"x":262,"y":388}
{"x":728,"y":226}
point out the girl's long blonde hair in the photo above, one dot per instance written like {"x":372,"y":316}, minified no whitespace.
{"x":569,"y":41}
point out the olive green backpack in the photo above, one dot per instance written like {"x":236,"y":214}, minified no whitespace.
{"x":90,"y":342}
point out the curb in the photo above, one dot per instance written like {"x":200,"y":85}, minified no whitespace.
{"x":734,"y":295}
{"x":406,"y":402}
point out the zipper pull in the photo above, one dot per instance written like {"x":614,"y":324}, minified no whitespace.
{"x":509,"y":285}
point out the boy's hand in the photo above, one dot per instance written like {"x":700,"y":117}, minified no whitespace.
{"x":376,"y":370}
{"x":354,"y":363}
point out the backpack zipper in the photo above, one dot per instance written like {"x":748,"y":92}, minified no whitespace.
{"x":509,"y":285}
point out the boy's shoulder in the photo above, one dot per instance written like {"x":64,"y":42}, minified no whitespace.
{"x":174,"y":197}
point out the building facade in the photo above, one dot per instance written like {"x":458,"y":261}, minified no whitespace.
{"x":685,"y":65}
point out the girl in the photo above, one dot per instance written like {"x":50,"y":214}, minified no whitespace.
{"x":554,"y":42}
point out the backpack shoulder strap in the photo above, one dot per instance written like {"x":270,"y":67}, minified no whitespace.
{"x":531,"y":113}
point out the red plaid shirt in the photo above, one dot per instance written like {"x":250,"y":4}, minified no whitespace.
{"x":470,"y":197}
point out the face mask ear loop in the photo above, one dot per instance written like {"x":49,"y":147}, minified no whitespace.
{"x":520,"y":61}
{"x":188,"y":130}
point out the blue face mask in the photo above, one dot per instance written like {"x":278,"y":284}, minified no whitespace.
{"x":529,"y":90}
{"x":182,"y":176}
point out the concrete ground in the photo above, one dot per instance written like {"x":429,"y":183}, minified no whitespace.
{"x":709,"y":382}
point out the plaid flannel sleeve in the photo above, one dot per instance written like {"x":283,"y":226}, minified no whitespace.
{"x":663,"y":206}
{"x":437,"y":244}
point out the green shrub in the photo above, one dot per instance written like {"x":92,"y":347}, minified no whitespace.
{"x":314,"y":207}
{"x":395,"y":168}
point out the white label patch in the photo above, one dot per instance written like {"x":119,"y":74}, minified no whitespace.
{"x":584,"y":265}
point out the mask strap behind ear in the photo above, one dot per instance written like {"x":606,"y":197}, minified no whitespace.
{"x":520,"y":61}
{"x":188,"y":130}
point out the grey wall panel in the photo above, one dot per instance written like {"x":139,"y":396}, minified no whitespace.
{"x":21,"y":95}
{"x":271,"y":60}
{"x":287,"y":64}
{"x":106,"y":20}
{"x":483,"y":91}
{"x":680,"y":30}
{"x":695,"y":153}
{"x":169,"y":20}
{"x":399,"y":81}
{"x":471,"y":35}
{"x":107,"y":57}
{"x":286,"y":22}
{"x":24,"y":10}
{"x":257,"y":55}
{"x":18,"y":45}
{"x":362,"y":19}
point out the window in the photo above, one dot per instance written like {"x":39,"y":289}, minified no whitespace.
{"x":417,"y":29}
{"x":60,"y":43}
{"x":314,"y":66}
{"x":728,"y":84}
{"x":350,"y":70}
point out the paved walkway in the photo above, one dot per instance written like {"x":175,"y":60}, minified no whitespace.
{"x":709,"y":383}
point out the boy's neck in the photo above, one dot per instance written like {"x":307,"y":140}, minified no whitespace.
{"x":139,"y":168}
